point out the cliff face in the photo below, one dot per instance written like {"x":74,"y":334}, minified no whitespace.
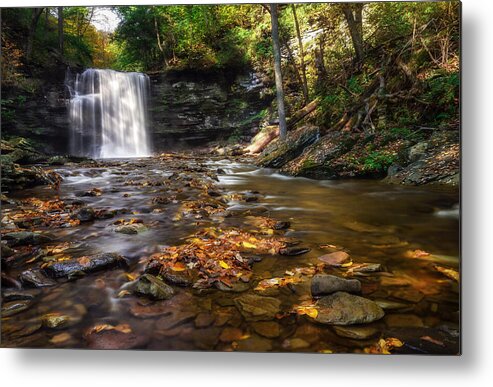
{"x":186,"y":108}
{"x":191,"y":108}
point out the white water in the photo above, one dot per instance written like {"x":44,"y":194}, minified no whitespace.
{"x":108,"y":114}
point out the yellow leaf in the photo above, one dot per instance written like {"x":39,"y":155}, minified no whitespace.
{"x":224,"y":265}
{"x":248,"y":245}
{"x":350,"y":263}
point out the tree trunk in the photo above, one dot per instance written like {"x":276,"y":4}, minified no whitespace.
{"x":60,"y":30}
{"x":354,"y":19}
{"x":35,"y":14}
{"x":277,"y":71}
{"x":302,"y":54}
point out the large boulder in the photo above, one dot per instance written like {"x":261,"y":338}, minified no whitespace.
{"x":278,"y":153}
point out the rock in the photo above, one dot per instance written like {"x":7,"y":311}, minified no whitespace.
{"x":113,"y":339}
{"x":230,"y":334}
{"x":327,"y":284}
{"x":177,"y":279}
{"x":366,"y":268}
{"x":292,"y":251}
{"x":15,"y":295}
{"x":255,"y":344}
{"x":220,"y":171}
{"x":152,"y":286}
{"x":7,"y":251}
{"x":174,"y":319}
{"x":269,"y":329}
{"x":86,"y":215}
{"x":345,"y":309}
{"x":336,"y":259}
{"x":13,"y":307}
{"x":79,"y":266}
{"x":295,"y":343}
{"x":131,"y":229}
{"x":417,"y":152}
{"x":403,"y":321}
{"x":356,"y":332}
{"x":35,"y":278}
{"x":408,"y":294}
{"x":236,"y":287}
{"x":57,"y":160}
{"x":257,"y":308}
{"x":281,"y":225}
{"x":56,"y":320}
{"x":278,"y":153}
{"x":22,"y":238}
{"x":204,"y":320}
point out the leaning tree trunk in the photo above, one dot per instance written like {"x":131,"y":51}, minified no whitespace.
{"x":60,"y":30}
{"x":277,"y":71}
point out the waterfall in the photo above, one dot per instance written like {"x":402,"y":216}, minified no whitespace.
{"x":108,"y":114}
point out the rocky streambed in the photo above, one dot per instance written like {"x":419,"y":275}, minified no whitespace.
{"x":188,"y":251}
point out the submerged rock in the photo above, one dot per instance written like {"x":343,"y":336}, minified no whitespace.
{"x":292,"y":251}
{"x":269,"y":329}
{"x":22,"y":238}
{"x":257,"y":308}
{"x":152,"y":286}
{"x":80,"y":266}
{"x":131,"y":229}
{"x":327,"y":284}
{"x":35,"y":278}
{"x":336,"y":259}
{"x":13,"y":307}
{"x":86,"y":215}
{"x":345,"y":309}
{"x":356,"y":332}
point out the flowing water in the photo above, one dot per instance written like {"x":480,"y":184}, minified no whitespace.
{"x":108,"y":114}
{"x":375,"y":222}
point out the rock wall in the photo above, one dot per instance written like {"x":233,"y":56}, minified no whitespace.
{"x":186,"y":108}
{"x":193,"y":108}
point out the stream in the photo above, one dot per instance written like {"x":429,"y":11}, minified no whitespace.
{"x":407,"y":230}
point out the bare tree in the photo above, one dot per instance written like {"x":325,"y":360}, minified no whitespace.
{"x":354,"y":19}
{"x":277,"y":71}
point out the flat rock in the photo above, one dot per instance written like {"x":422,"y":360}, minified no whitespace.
{"x":36,"y":278}
{"x":77,"y":266}
{"x":391,"y":305}
{"x":230,"y":334}
{"x":22,"y":238}
{"x":203,"y":320}
{"x":366,"y":268}
{"x":343,"y":308}
{"x":112,"y":339}
{"x":236,"y":287}
{"x":269,"y":329}
{"x":13,"y":307}
{"x":356,"y":332}
{"x":174,"y":319}
{"x":328,"y":284}
{"x":336,"y":259}
{"x":258,"y":308}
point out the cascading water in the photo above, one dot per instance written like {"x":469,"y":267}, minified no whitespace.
{"x":108,"y":114}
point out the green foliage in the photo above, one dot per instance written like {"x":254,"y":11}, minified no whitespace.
{"x":378,"y":161}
